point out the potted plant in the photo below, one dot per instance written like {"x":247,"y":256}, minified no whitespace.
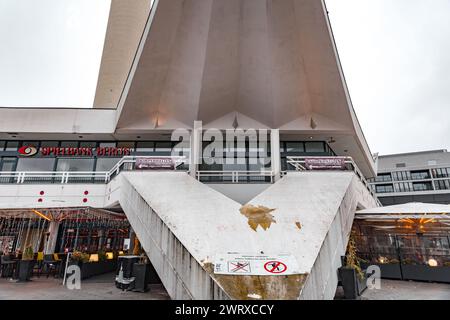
{"x":352,"y":277}
{"x":26,"y":264}
{"x":79,"y":258}
{"x":144,"y":274}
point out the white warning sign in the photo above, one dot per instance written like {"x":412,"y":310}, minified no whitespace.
{"x":255,"y":265}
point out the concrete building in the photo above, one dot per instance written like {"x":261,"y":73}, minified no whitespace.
{"x":265,"y":71}
{"x":413,"y":177}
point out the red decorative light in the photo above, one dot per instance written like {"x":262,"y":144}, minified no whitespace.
{"x":42,"y":193}
{"x":40,"y":200}
{"x":86,"y":193}
{"x":85,"y":200}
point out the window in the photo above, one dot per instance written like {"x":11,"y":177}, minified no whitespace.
{"x":420,"y":175}
{"x":442,"y":185}
{"x":106,"y":164}
{"x":69,"y":144}
{"x":12,"y":145}
{"x":401,"y":175}
{"x":31,"y":143}
{"x":107,"y":144}
{"x":126,"y":144}
{"x":313,"y":147}
{"x":8,"y":164}
{"x":145,"y":146}
{"x":35,"y":164}
{"x":385,"y":188}
{"x":88,"y":144}
{"x":2,"y":145}
{"x":65,"y":164}
{"x":422,"y":186}
{"x":295,"y":147}
{"x":383,"y":177}
{"x":441,"y":172}
{"x":403,"y":187}
{"x":49,"y":144}
{"x":163,"y":147}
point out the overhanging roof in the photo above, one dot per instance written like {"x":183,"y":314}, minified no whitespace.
{"x":414,"y":208}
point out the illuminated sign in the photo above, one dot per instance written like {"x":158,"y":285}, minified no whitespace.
{"x":29,"y":151}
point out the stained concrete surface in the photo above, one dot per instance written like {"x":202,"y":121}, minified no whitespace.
{"x":97,"y":288}
{"x":405,"y":290}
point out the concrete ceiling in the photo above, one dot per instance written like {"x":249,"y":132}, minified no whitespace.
{"x":270,"y":64}
{"x":272,"y":61}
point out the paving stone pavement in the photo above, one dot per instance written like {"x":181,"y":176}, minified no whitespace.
{"x":405,"y":290}
{"x":102,"y":288}
{"x":409,"y":290}
{"x":98,"y":288}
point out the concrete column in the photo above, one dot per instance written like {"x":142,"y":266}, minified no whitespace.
{"x":52,"y":237}
{"x":131,"y":236}
{"x":196,"y":148}
{"x":275,"y":153}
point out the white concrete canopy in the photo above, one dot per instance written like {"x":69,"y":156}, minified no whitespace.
{"x":265,"y":64}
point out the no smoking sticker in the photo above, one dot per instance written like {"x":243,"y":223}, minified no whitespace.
{"x":259,"y":265}
{"x":275,"y":267}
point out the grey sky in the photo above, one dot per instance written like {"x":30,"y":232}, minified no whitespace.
{"x":395,"y":55}
{"x":396,"y":58}
{"x":50,"y":51}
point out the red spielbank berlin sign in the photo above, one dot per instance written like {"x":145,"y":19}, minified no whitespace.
{"x":30,"y":151}
{"x":256,"y":265}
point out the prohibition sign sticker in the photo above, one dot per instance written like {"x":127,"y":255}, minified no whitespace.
{"x":275,"y":267}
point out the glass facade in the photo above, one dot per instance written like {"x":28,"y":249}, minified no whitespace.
{"x":442,"y":185}
{"x":247,"y":155}
{"x":441,"y":173}
{"x":77,"y":156}
{"x":384,"y":188}
{"x":303,"y":149}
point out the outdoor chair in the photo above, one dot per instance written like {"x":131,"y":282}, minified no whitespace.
{"x":37,"y":270}
{"x":8,"y":266}
{"x":50,"y":265}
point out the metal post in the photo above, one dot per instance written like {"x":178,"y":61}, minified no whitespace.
{"x":397,"y":247}
{"x":65,"y":269}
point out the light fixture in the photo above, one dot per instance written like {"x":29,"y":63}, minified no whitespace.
{"x":109,"y":255}
{"x":382,"y":260}
{"x":41,"y":215}
{"x":432,"y":263}
{"x":93,"y":258}
{"x":235,"y":123}
{"x":313,"y":124}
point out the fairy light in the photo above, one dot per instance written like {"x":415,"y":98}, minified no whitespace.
{"x":41,"y":215}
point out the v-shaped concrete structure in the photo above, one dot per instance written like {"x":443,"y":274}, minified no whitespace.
{"x":184,"y":225}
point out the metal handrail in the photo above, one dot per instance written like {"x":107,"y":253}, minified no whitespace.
{"x":298,"y":164}
{"x":235,"y":175}
{"x":64,"y":177}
